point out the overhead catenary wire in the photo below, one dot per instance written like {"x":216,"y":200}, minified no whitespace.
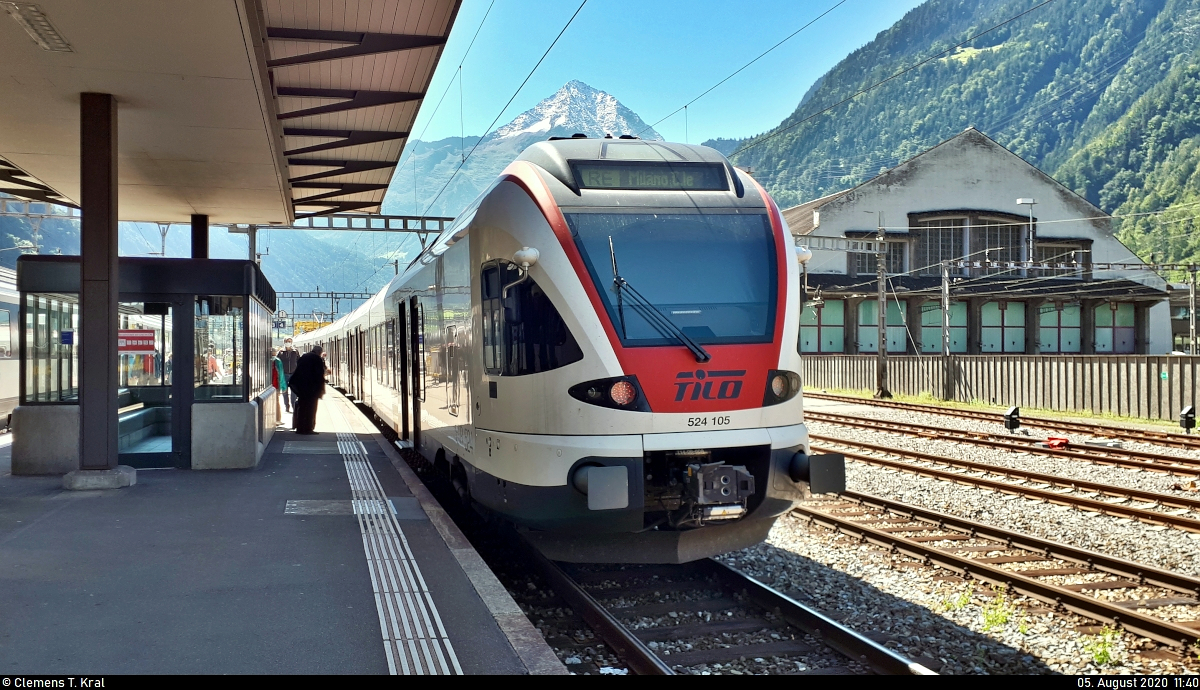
{"x":412,"y":156}
{"x":1080,"y":219}
{"x":502,"y":110}
{"x":1088,"y":84}
{"x":743,"y":67}
{"x":457,"y":75}
{"x":1009,"y":120}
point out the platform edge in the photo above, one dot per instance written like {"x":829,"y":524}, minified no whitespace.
{"x":531,"y":648}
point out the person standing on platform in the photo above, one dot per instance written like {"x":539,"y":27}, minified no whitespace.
{"x":216,"y":370}
{"x":289,"y":357}
{"x":308,"y":385}
{"x":279,"y":380}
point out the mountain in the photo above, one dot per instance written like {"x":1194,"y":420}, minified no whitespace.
{"x":421,"y":178}
{"x":1098,"y":93}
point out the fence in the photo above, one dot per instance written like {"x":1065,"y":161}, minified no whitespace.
{"x":1131,"y":386}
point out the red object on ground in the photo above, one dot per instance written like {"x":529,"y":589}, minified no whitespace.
{"x":1057,"y":443}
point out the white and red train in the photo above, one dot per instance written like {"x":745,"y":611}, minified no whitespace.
{"x":602,"y":349}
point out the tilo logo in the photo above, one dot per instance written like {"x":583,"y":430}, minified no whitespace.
{"x":728,"y":389}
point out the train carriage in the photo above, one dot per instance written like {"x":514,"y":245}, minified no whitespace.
{"x":602,"y":349}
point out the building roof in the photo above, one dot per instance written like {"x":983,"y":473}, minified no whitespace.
{"x":251,"y":111}
{"x":802,"y":221}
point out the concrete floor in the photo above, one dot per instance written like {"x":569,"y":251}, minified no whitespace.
{"x":203,"y":572}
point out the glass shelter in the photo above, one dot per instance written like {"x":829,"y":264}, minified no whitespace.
{"x":190,"y":332}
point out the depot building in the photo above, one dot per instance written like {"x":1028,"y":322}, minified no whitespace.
{"x":1024,"y":278}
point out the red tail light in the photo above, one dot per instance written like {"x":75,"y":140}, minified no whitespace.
{"x":621,"y":393}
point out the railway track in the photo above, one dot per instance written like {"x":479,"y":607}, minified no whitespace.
{"x":1103,"y":455}
{"x":574,"y":607}
{"x":1153,"y":603}
{"x":663,"y":619}
{"x":1157,"y":509}
{"x":1162,"y":438}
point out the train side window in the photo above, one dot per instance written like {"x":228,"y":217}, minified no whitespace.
{"x":5,"y":335}
{"x":523,"y":333}
{"x":492,"y":318}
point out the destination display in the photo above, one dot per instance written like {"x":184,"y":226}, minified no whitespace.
{"x":701,"y":177}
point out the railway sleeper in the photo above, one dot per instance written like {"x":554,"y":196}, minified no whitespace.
{"x":1062,"y":597}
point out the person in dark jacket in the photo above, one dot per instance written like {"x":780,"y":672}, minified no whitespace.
{"x":308,"y":384}
{"x":288,"y":356}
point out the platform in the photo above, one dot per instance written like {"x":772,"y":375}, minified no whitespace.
{"x":328,"y":558}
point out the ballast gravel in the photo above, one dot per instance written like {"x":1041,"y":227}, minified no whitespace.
{"x":1030,"y":434}
{"x":1109,"y":475}
{"x":950,"y":625}
{"x":1162,"y":547}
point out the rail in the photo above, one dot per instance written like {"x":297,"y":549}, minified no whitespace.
{"x":642,"y":659}
{"x":1120,"y":457}
{"x":1162,"y":438}
{"x":865,"y":513}
{"x":847,"y":448}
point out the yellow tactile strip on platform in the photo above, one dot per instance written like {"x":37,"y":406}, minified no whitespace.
{"x":413,"y":635}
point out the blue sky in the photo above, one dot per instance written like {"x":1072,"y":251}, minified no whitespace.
{"x":653,"y":55}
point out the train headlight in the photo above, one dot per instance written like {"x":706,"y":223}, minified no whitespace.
{"x":781,"y":387}
{"x":621,"y":392}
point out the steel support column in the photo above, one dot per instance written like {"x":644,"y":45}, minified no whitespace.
{"x":1033,"y":325}
{"x":199,"y":236}
{"x":100,"y":288}
{"x":881,"y":367}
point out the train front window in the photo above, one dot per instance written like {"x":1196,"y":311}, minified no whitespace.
{"x":713,"y":275}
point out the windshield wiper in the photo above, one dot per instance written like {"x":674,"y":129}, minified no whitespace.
{"x":651,"y":312}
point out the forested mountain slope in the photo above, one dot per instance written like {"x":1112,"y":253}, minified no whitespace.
{"x":1147,"y":161}
{"x":1102,"y":94}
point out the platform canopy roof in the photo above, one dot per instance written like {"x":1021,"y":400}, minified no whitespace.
{"x":249,"y":111}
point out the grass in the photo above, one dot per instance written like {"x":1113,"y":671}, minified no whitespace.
{"x":999,"y":611}
{"x":960,"y":600}
{"x":962,"y":55}
{"x":978,"y":405}
{"x":1101,"y":646}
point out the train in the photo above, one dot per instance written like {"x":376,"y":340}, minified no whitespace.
{"x":603,"y":351}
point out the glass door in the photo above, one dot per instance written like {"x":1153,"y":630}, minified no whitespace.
{"x":147,"y":415}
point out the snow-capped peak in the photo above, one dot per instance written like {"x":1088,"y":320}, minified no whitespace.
{"x":577,"y":107}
